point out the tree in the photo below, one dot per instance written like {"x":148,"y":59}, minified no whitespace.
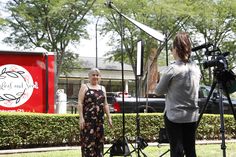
{"x":70,"y":63}
{"x":214,"y":24}
{"x":205,"y":20}
{"x":1,"y":22}
{"x":157,"y":15}
{"x":52,"y":24}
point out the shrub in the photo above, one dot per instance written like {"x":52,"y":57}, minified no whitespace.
{"x":24,"y":130}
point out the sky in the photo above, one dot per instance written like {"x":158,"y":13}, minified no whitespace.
{"x":86,"y":48}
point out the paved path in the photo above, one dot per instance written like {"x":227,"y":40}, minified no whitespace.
{"x":28,"y":150}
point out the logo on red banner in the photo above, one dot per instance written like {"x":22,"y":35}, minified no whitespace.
{"x":16,"y":85}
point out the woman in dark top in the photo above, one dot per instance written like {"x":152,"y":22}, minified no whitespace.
{"x":92,"y":104}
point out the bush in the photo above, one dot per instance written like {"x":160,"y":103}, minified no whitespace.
{"x":150,"y":124}
{"x":24,"y":130}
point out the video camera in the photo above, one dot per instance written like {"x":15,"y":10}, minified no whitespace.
{"x":218,"y":60}
{"x":221,"y":72}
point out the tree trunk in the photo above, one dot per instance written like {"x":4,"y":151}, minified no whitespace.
{"x":153,"y":74}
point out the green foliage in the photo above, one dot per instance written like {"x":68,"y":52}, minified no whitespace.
{"x":56,"y":23}
{"x":71,"y":62}
{"x":49,"y":24}
{"x":23,"y":130}
{"x":2,"y":21}
{"x":214,"y":23}
{"x":205,"y":20}
{"x":164,"y":16}
{"x":209,"y":127}
{"x":34,"y":130}
{"x":150,"y":124}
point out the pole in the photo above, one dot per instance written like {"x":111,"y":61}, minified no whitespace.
{"x":147,"y":87}
{"x":123,"y":83}
{"x":166,"y":41}
{"x":96,"y":39}
{"x":222,"y":128}
{"x":137,"y":112}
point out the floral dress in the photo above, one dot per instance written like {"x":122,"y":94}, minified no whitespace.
{"x":92,"y":136}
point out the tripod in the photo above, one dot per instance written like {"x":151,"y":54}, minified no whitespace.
{"x":220,"y":80}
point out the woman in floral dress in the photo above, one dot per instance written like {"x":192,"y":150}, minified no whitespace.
{"x":92,"y":104}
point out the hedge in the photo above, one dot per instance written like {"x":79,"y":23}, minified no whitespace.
{"x":24,"y":130}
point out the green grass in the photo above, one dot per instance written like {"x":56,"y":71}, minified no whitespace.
{"x":151,"y":151}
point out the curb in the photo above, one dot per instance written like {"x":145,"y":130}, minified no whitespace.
{"x":30,"y":150}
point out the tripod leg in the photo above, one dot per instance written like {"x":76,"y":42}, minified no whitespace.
{"x":205,"y":105}
{"x":164,"y":153}
{"x":143,"y":153}
{"x":229,"y":100}
{"x":107,"y":151}
{"x":222,"y":128}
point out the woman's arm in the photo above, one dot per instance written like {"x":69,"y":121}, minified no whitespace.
{"x":162,"y":85}
{"x":82,"y":91}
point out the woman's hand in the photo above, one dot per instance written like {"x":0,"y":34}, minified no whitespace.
{"x":81,"y":123}
{"x":110,"y":122}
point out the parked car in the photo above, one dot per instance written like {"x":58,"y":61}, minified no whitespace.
{"x":213,"y":105}
{"x":111,"y":99}
{"x":157,"y":104}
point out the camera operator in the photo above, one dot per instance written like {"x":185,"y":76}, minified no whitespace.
{"x":180,"y":83}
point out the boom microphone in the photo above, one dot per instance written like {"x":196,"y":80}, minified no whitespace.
{"x":206,"y":45}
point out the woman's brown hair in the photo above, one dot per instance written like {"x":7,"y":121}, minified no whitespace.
{"x":182,"y":45}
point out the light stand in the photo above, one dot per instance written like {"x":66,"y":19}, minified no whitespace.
{"x":123,"y":84}
{"x":125,"y":149}
{"x":152,"y":33}
{"x":141,"y":143}
{"x":139,"y":73}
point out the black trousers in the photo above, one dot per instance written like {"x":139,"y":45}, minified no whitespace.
{"x":181,"y":138}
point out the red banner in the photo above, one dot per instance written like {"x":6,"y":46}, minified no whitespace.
{"x":26,"y":82}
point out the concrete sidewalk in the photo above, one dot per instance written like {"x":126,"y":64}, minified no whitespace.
{"x":29,"y":150}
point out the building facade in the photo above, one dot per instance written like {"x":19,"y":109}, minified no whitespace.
{"x":111,"y":77}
